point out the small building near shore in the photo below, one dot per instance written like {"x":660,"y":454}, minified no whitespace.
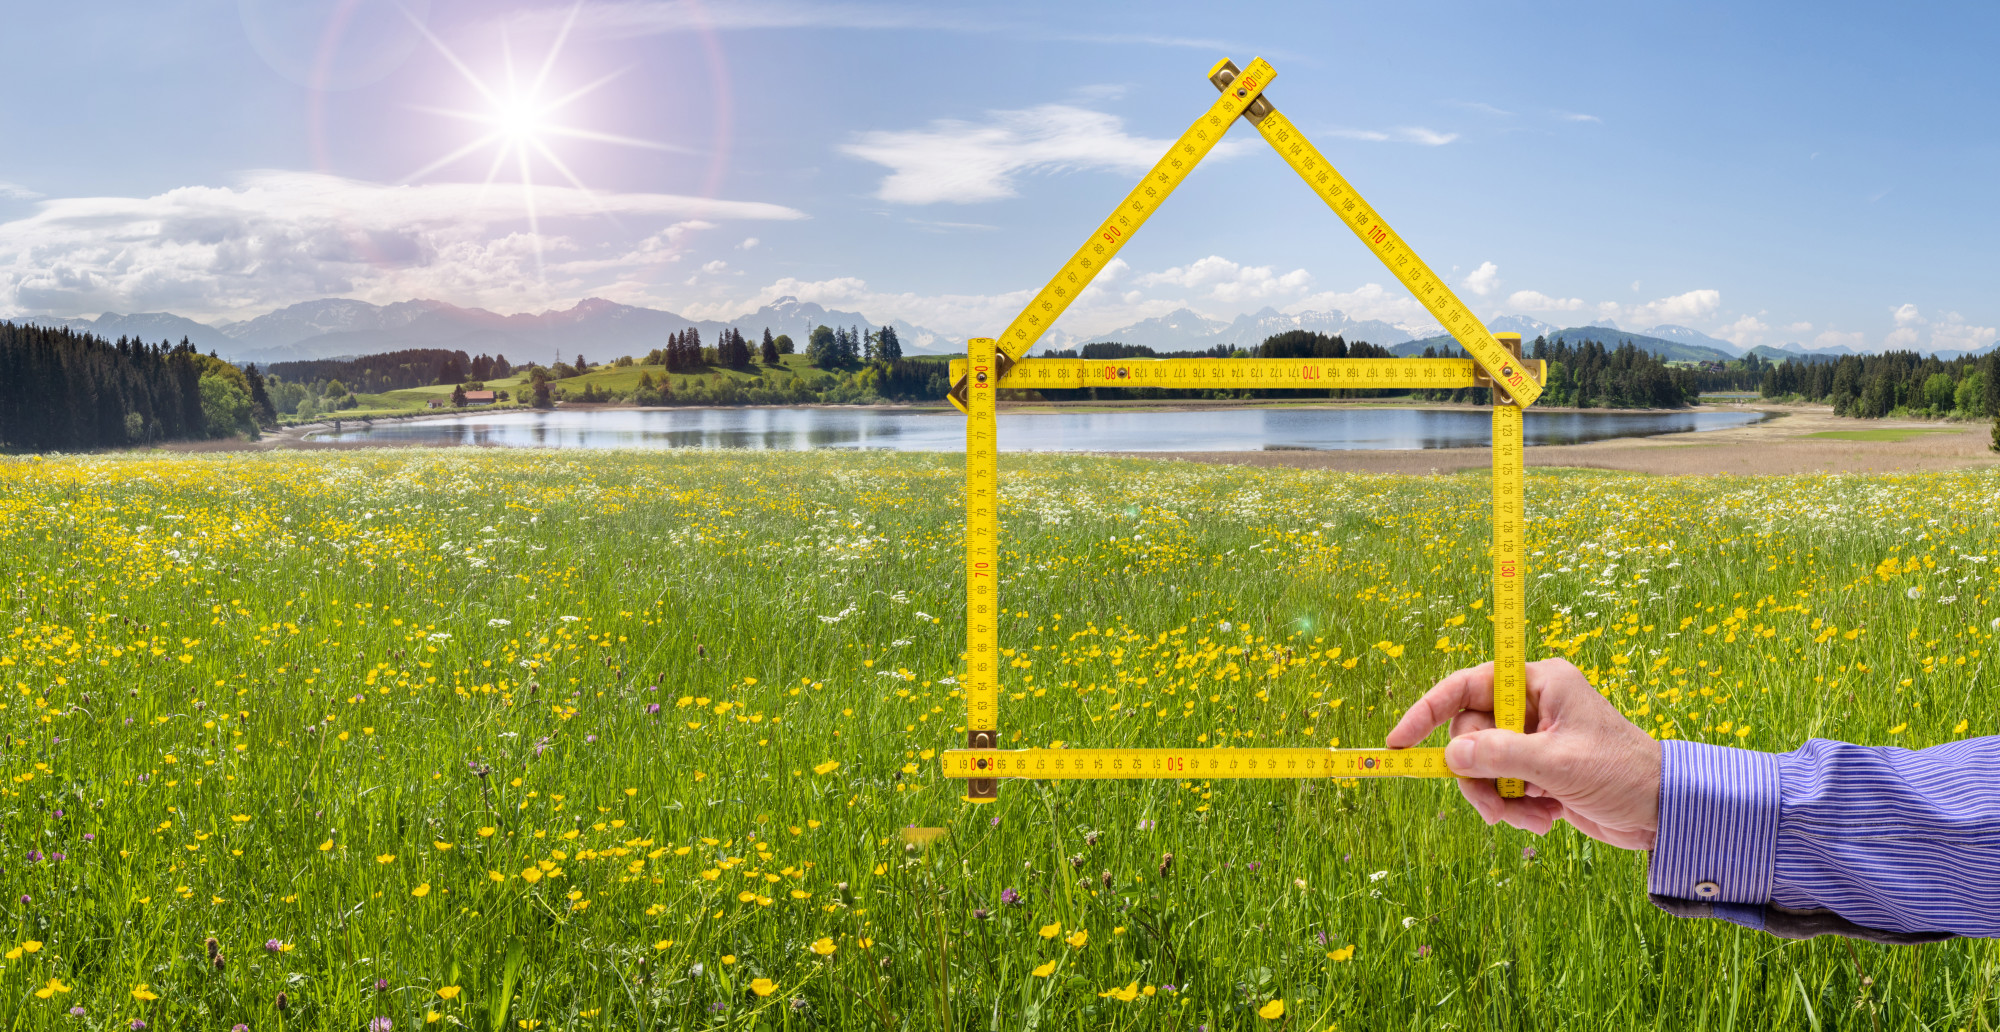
{"x":479,"y":397}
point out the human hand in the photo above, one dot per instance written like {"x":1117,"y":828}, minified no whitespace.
{"x":1583,"y":761}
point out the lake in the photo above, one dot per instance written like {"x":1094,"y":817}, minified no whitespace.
{"x":794,"y":429}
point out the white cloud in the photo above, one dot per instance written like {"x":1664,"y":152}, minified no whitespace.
{"x":1798,"y":327}
{"x":967,"y":162}
{"x":280,"y":237}
{"x":1536,"y":301}
{"x":1834,"y":338}
{"x":16,"y":192}
{"x":1403,"y":134}
{"x":1949,"y":331}
{"x":749,"y":243}
{"x":1572,"y":116}
{"x":1483,"y":280}
{"x":1220,"y":279}
{"x":715,"y":266}
{"x":1745,"y":332}
{"x":1691,"y":307}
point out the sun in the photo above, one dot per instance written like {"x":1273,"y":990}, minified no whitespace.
{"x":521,"y":123}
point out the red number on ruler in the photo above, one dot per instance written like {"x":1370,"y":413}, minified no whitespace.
{"x":1112,"y":233}
{"x":1377,"y":234}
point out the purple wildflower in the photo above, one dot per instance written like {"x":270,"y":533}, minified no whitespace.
{"x":1527,"y":852}
{"x":381,"y":985}
{"x":1009,"y":898}
{"x":590,"y":739}
{"x":59,"y":813}
{"x":994,"y":823}
{"x":652,"y":707}
{"x":1322,"y":937}
{"x":77,"y":1012}
{"x":381,"y":1025}
{"x":1424,"y":951}
{"x":34,"y":856}
{"x":138,"y":1025}
{"x":239,"y":1027}
{"x":90,"y":836}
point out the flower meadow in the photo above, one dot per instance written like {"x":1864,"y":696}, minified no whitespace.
{"x":542,"y":740}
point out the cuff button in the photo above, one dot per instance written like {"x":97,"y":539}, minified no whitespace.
{"x":1707,"y":889}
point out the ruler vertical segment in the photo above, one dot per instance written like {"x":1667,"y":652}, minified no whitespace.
{"x":1510,"y":630}
{"x":982,"y":560}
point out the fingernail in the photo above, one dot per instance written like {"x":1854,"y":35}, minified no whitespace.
{"x":1458,"y":755}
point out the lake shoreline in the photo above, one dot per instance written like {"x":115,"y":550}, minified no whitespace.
{"x":1786,"y":441}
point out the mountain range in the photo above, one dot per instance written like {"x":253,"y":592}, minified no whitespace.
{"x":601,"y":329}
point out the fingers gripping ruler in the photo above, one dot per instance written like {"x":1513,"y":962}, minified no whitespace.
{"x":992,"y":364}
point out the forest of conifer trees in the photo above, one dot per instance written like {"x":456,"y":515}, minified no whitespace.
{"x":69,"y":391}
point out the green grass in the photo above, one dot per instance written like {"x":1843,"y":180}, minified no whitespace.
{"x":394,"y":713}
{"x":1894,"y":435}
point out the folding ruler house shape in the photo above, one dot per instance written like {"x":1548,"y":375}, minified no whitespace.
{"x":994,"y":364}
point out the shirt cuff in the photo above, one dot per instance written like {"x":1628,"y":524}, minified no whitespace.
{"x":1718,"y":824}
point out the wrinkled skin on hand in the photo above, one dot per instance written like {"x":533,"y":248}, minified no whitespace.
{"x":1582,"y":760}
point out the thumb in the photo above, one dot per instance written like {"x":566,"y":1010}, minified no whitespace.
{"x":1500,"y":753}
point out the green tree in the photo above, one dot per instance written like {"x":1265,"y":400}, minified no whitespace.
{"x":226,"y":408}
{"x":770,"y":348}
{"x":458,"y":396}
{"x":784,"y":343}
{"x":823,"y":350}
{"x":1970,"y":397}
{"x":1990,"y":368}
{"x":887,"y":347}
{"x":1938,"y":392}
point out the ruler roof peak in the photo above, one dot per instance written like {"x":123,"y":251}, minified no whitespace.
{"x":1243,"y":96}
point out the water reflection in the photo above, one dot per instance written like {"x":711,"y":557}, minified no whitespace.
{"x":800,"y":429}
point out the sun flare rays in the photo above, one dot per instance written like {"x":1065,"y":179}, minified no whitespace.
{"x":518,"y":123}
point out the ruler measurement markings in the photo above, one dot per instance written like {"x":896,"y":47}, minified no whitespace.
{"x":1510,"y":675}
{"x":1115,"y":764}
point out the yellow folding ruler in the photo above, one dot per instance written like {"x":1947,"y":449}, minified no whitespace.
{"x":995,"y":363}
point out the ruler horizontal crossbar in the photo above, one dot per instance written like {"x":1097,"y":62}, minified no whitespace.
{"x":1069,"y":764}
{"x":1208,"y":373}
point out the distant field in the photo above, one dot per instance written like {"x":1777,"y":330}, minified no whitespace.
{"x":1893,"y":434}
{"x":552,"y":740}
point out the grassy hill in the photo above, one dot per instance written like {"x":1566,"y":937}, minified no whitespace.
{"x":618,"y":380}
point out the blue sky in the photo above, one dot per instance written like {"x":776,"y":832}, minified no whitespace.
{"x":1766,"y":173}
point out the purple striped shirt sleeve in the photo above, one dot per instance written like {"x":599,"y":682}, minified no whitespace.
{"x":1718,"y":824}
{"x":1890,"y":839}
